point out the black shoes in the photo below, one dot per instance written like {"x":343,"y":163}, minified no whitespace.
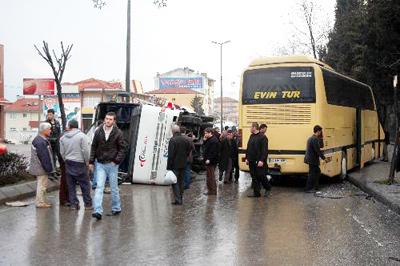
{"x":74,"y":207}
{"x":311,"y":191}
{"x":254,"y":195}
{"x":114,"y":213}
{"x":96,"y":215}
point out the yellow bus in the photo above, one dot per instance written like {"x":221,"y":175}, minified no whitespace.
{"x":291,"y":94}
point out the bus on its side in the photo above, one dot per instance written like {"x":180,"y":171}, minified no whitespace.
{"x":291,"y":94}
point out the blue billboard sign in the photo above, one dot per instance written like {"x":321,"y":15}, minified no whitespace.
{"x":188,"y":83}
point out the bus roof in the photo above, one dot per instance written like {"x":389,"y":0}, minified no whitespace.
{"x":287,"y":59}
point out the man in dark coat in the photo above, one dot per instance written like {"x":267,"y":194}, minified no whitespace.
{"x":225,"y":161}
{"x":265,"y":183}
{"x":55,"y":135}
{"x":108,"y":150}
{"x":256,"y":156}
{"x":179,"y":149}
{"x":211,"y":157}
{"x":313,"y":153}
{"x":41,"y":164}
{"x":187,"y":176}
{"x":235,"y":154}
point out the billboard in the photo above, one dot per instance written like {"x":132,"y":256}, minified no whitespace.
{"x":1,"y":71}
{"x":188,"y":83}
{"x":72,"y":106}
{"x":39,"y":86}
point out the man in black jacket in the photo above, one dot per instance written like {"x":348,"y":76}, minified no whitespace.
{"x":265,"y":183}
{"x":256,"y":156}
{"x":313,"y":153}
{"x":211,"y":156}
{"x":55,"y":135}
{"x":225,"y":160}
{"x":108,"y":148}
{"x":235,"y":154}
{"x":178,"y":151}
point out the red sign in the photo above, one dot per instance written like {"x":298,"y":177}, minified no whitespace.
{"x":39,"y":86}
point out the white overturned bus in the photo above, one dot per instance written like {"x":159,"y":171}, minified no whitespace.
{"x":291,"y":94}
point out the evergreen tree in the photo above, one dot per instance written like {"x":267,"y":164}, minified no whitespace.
{"x":365,"y":44}
{"x":382,"y":53}
{"x":346,"y":44}
{"x":197,"y":104}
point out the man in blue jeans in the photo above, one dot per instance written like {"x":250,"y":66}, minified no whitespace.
{"x":108,"y":150}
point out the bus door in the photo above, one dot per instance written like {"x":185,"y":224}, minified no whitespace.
{"x":358,"y":141}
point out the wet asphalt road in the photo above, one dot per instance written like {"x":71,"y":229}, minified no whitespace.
{"x":287,"y":228}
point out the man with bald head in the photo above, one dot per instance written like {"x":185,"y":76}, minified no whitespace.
{"x":42,"y":164}
{"x":178,"y":151}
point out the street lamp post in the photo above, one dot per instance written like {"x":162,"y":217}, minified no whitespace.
{"x":128,"y":51}
{"x":222,"y":109}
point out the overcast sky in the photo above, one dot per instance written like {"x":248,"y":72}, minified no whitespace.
{"x":162,"y":38}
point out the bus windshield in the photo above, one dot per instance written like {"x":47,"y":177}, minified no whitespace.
{"x":279,"y":85}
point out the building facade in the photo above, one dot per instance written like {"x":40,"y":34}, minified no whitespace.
{"x":186,"y":78}
{"x":181,"y":97}
{"x":22,"y":119}
{"x":230,"y":108}
{"x":3,"y":101}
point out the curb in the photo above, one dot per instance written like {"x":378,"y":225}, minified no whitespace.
{"x":24,"y":190}
{"x":371,"y":191}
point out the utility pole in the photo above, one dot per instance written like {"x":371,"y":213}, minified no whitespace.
{"x":396,"y":142}
{"x":128,"y":52}
{"x":222,"y":108}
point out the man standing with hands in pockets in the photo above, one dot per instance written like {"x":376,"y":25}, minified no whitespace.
{"x":108,"y":148}
{"x":75,"y":151}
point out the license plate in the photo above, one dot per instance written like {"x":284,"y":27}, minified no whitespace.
{"x":276,"y":160}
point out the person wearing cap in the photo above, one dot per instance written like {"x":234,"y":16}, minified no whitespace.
{"x":42,"y":164}
{"x":75,"y":151}
{"x":313,"y":153}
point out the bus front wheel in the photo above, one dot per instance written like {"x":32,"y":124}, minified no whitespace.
{"x":343,"y":173}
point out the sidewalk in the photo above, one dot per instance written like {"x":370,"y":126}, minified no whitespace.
{"x":369,"y":178}
{"x":22,"y":191}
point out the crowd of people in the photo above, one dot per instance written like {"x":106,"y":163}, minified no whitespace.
{"x":77,"y":159}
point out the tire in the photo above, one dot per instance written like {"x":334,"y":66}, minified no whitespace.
{"x":186,"y":119}
{"x":207,"y":119}
{"x":343,"y":166}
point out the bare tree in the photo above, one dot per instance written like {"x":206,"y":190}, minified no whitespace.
{"x":309,"y":30}
{"x":101,"y":3}
{"x":57,"y":64}
{"x":308,"y":12}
